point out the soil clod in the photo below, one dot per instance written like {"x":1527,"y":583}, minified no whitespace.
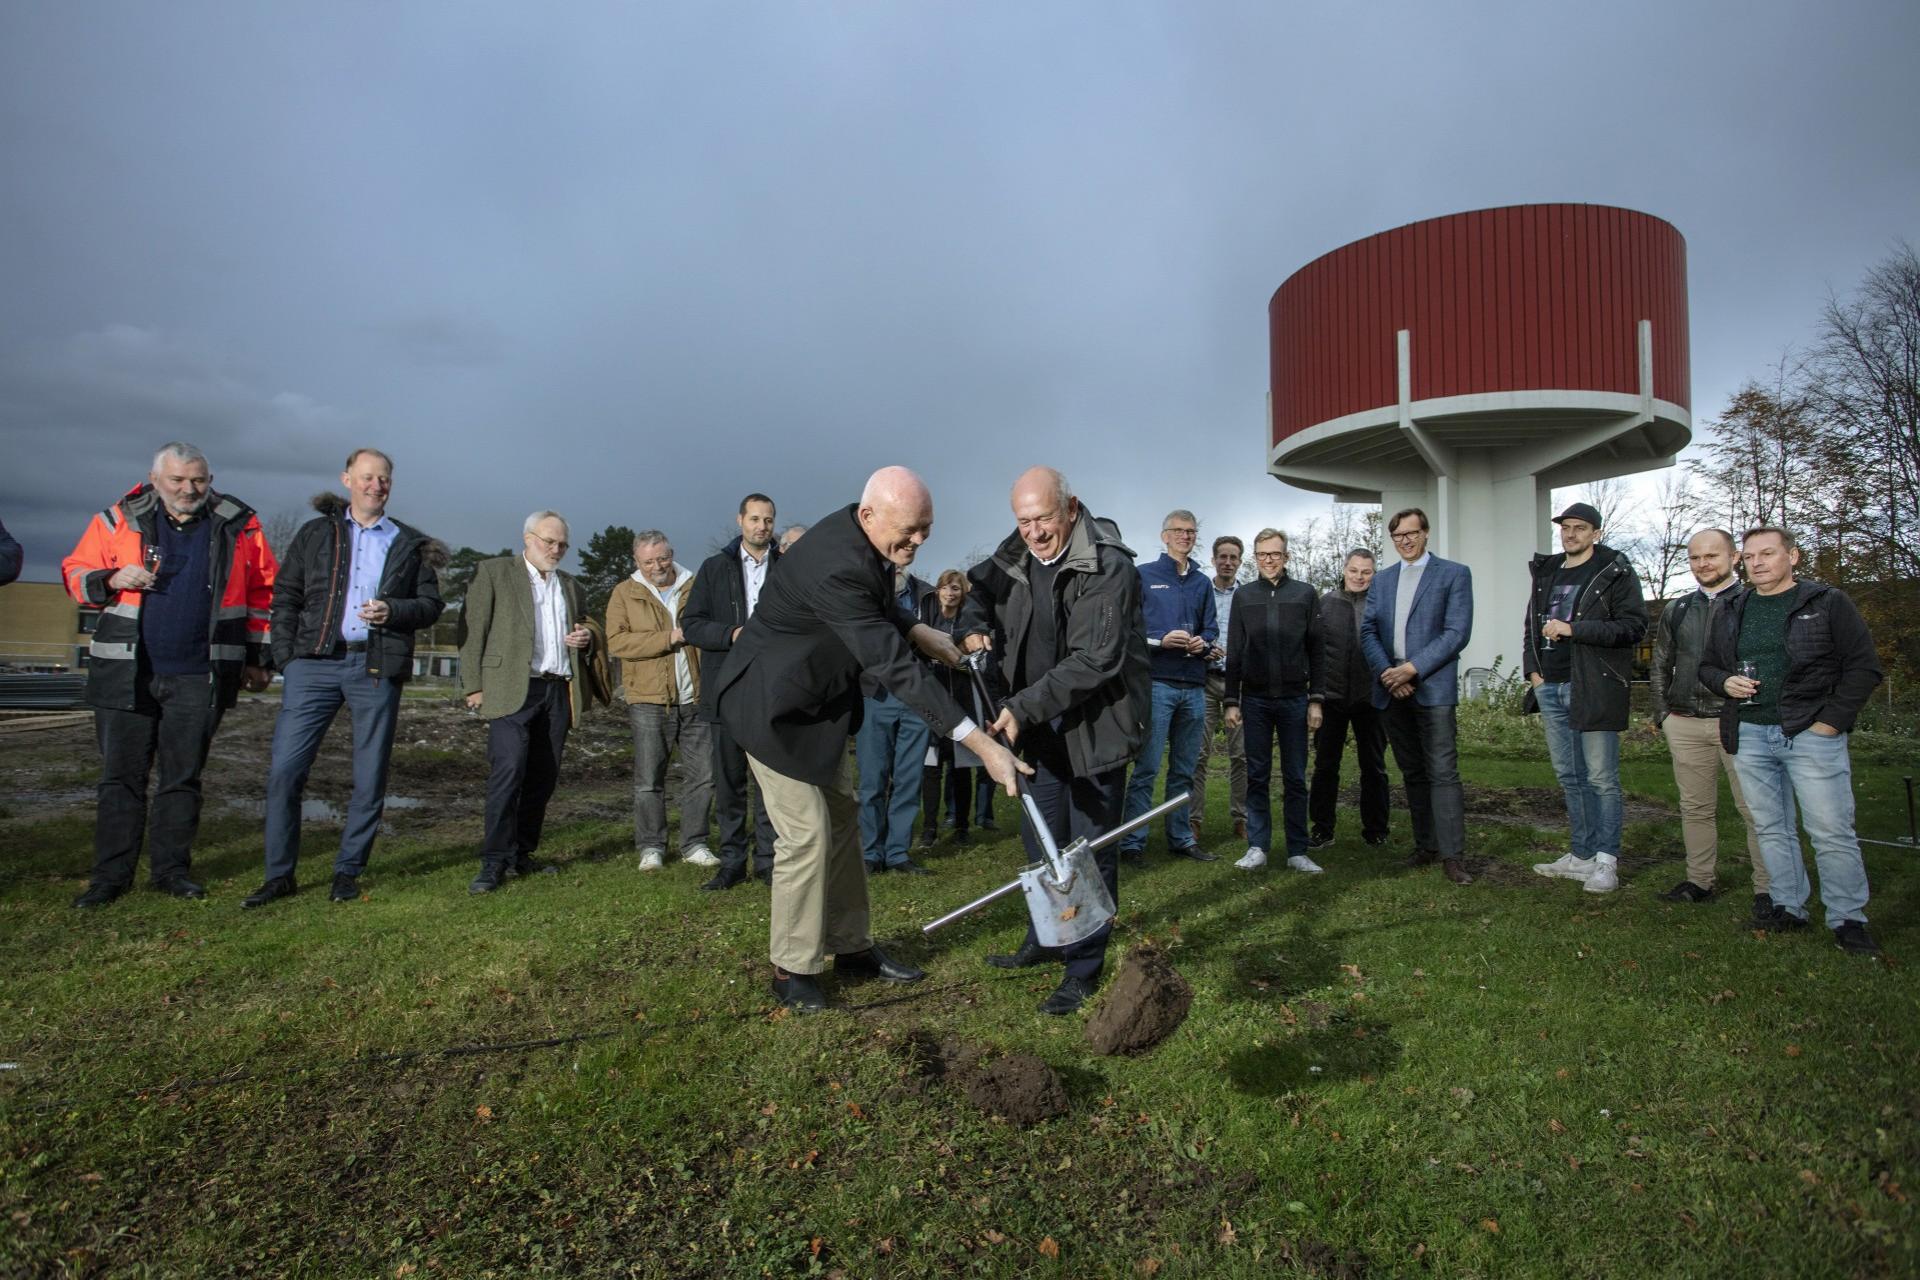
{"x":1147,"y":1001}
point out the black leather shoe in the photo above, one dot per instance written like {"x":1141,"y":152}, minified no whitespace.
{"x":1851,"y":936}
{"x":525,"y":864}
{"x":1456,"y":870}
{"x":97,"y":895}
{"x":1195,"y":852}
{"x":798,"y":992}
{"x":492,"y":876}
{"x":1781,"y":920}
{"x":963,"y":836}
{"x":908,"y":867}
{"x":875,"y":963}
{"x":345,"y":889}
{"x":765,"y":877}
{"x":724,"y":878}
{"x":1320,"y":841}
{"x":1030,"y":953}
{"x":1762,"y":907}
{"x":1067,"y":997}
{"x":1687,"y":891}
{"x":181,"y":887}
{"x":278,"y":887}
{"x":1422,"y":858}
{"x":1375,"y":841}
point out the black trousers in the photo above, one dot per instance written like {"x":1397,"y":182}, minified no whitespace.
{"x":1074,"y":807}
{"x":171,"y":725}
{"x":1425,"y":748}
{"x":730,"y":807}
{"x":523,"y":767}
{"x":1370,"y":744}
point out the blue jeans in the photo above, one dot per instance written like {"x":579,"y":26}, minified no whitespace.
{"x":314,"y":690}
{"x":1265,"y":719}
{"x":1178,"y":731}
{"x":1775,"y":771}
{"x":1588,"y":766}
{"x":891,"y":747}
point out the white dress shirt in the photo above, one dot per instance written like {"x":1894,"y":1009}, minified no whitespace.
{"x":754,"y":572}
{"x":1411,"y":571}
{"x":549,"y":624}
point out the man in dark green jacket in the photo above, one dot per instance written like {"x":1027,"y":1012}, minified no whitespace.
{"x":1796,"y":664}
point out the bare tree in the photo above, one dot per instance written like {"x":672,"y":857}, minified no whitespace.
{"x":280,"y":528}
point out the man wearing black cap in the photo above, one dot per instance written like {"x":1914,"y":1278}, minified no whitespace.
{"x":1584,"y":616}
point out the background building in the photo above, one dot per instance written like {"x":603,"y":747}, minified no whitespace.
{"x":1470,"y":365}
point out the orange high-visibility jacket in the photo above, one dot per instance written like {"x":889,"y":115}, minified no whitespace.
{"x":241,"y":570}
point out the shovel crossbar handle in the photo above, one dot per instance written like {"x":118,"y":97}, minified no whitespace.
{"x":1013,"y":886}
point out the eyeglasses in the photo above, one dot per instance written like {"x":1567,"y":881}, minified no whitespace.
{"x":549,"y":543}
{"x":1269,"y":555}
{"x":1409,"y":535}
{"x":1179,"y":532}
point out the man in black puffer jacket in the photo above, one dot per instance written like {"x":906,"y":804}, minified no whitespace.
{"x":1274,"y":682}
{"x":1348,"y":702}
{"x":1796,"y":663}
{"x":1584,"y":616}
{"x":354,"y":587}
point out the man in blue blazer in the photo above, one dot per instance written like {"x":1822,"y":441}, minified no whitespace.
{"x":1419,"y":617}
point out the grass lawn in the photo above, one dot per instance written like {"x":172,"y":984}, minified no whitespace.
{"x":1381,"y":1073}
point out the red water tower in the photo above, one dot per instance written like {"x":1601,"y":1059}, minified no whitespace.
{"x":1471,"y":364}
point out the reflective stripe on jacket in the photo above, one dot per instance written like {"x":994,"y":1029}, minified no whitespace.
{"x":240,"y":568}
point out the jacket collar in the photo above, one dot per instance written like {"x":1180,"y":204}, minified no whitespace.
{"x":1082,"y":555}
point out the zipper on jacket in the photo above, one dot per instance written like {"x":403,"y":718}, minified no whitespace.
{"x":320,"y":646}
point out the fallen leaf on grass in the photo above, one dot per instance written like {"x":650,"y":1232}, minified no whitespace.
{"x":1227,"y":1235}
{"x":1809,"y":1177}
{"x":1047,"y":1247}
{"x":884,"y":1247}
{"x":1554,"y":1126}
{"x":1353,"y":971}
{"x":853,"y":1109}
{"x":405,"y":1269}
{"x":1793,"y":1051}
{"x":769,"y":1109}
{"x":483,"y":1111}
{"x":1149,"y":1266}
{"x":90,"y":1177}
{"x":1491,"y":1224}
{"x":814,"y":1248}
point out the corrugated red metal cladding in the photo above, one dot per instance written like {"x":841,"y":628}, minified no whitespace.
{"x":1530,"y":297}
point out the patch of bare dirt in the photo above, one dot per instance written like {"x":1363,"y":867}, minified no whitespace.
{"x":1019,"y":1088}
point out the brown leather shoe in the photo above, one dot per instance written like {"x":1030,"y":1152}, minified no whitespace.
{"x":1455,"y":870}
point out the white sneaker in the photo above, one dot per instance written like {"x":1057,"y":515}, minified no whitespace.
{"x":699,"y":856}
{"x":1567,"y":867}
{"x":1253,"y":860}
{"x":651,"y":859}
{"x":1301,"y":862}
{"x":1606,"y":874}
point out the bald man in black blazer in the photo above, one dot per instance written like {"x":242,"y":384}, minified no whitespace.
{"x":791,"y":695}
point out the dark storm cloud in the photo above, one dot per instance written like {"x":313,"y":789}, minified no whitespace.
{"x":633,"y":261}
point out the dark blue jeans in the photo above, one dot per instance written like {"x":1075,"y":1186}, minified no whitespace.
{"x":314,"y":691}
{"x":1266,"y":720}
{"x":891,"y":747}
{"x":172,"y":724}
{"x":1178,"y":730}
{"x":1074,"y":807}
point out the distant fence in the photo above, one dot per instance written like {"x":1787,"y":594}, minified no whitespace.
{"x":41,"y":691}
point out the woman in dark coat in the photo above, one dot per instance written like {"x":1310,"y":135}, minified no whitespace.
{"x":940,"y":609}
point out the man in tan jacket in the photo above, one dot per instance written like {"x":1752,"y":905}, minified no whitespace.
{"x":661,"y":672}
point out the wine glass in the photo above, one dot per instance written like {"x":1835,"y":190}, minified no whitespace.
{"x":1546,"y":641}
{"x":150,"y":559}
{"x":1749,"y":671}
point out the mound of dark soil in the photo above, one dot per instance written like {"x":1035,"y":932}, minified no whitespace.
{"x":1019,"y":1088}
{"x":1147,"y":1001}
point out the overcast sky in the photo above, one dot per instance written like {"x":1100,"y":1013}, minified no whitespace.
{"x":634,"y":260}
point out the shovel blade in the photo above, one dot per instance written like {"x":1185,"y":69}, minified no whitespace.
{"x":1064,"y":913}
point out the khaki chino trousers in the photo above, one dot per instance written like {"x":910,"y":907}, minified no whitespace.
{"x":1698,"y":761}
{"x":819,"y":878}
